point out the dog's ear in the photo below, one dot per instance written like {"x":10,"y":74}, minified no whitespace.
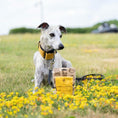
{"x":43,"y":25}
{"x":62,"y":29}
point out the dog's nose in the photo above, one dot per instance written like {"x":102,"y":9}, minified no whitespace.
{"x":61,"y":46}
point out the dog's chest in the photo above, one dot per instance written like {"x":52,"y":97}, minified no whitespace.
{"x":45,"y":71}
{"x":46,"y":68}
{"x":50,"y":64}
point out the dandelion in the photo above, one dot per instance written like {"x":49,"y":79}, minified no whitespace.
{"x":93,"y":93}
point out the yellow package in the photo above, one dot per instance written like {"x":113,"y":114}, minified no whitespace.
{"x":64,"y":84}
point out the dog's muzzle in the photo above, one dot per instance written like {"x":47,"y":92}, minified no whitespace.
{"x":61,"y":46}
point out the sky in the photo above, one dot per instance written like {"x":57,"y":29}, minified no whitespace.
{"x":69,"y":13}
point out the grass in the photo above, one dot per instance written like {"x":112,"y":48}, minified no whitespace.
{"x":92,"y":54}
{"x":88,"y":53}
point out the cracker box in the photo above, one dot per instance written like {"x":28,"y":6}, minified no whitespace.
{"x":64,"y":80}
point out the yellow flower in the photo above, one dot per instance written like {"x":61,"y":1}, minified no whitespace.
{"x":10,"y":113}
{"x":66,"y":104}
{"x":25,"y":115}
{"x":36,"y":88}
{"x":6,"y":116}
{"x":59,"y":108}
{"x":50,"y":111}
{"x":72,"y":106}
{"x":14,"y":111}
{"x":1,"y":115}
{"x":44,"y":113}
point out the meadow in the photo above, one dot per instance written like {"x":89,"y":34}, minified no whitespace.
{"x":89,"y":53}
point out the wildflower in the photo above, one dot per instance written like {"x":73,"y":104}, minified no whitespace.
{"x":66,"y":104}
{"x":59,"y":108}
{"x":25,"y":115}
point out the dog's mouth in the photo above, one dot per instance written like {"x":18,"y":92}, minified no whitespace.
{"x":60,"y":49}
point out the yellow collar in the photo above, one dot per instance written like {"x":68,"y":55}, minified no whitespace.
{"x":47,"y":55}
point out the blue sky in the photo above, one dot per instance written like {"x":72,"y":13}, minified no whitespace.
{"x":69,"y":13}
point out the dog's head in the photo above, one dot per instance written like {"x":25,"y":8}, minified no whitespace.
{"x":51,"y":36}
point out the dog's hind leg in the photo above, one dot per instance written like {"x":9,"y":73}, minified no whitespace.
{"x":66,"y":64}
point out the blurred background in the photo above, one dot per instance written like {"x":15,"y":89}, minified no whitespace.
{"x":80,"y":14}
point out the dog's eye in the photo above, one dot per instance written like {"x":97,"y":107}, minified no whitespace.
{"x":60,"y":36}
{"x":52,"y":35}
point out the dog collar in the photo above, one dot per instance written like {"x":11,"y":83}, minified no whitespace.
{"x":47,"y":55}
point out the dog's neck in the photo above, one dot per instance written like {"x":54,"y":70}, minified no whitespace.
{"x":46,"y":52}
{"x":47,"y":55}
{"x":44,"y":45}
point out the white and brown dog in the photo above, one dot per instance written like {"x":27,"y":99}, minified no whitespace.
{"x":47,"y":57}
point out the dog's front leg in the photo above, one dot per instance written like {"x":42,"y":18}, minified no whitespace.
{"x":38,"y":78}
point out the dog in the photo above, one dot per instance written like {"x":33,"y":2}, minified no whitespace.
{"x":47,"y":57}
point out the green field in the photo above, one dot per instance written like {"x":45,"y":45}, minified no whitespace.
{"x":89,"y":53}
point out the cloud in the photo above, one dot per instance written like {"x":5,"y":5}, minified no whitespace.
{"x":70,"y":13}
